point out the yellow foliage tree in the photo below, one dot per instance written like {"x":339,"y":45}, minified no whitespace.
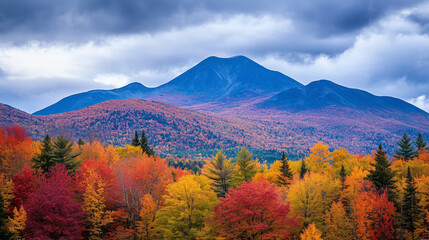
{"x":338,"y":225}
{"x":311,"y":233}
{"x":319,"y":158}
{"x":312,"y":196}
{"x":422,"y":184}
{"x":16,"y":225}
{"x":6,"y":188}
{"x":129,"y":151}
{"x":94,"y":204}
{"x":188,"y":203}
{"x":342,"y":157}
{"x":147,"y":216}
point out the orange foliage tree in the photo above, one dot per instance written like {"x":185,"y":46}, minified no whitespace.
{"x":16,"y":150}
{"x":138,"y":177}
{"x":374,"y":216}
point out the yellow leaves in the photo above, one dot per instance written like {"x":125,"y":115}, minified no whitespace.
{"x":312,"y":196}
{"x":311,"y":233}
{"x":147,"y":217}
{"x":319,"y":158}
{"x":338,"y":225}
{"x":188,"y":203}
{"x":94,"y":204}
{"x":129,"y":151}
{"x":16,"y":225}
{"x":6,"y":188}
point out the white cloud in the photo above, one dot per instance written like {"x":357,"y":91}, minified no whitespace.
{"x":390,"y":57}
{"x":112,"y":79}
{"x":420,"y":102}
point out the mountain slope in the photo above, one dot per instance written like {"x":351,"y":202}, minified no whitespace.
{"x":323,"y":93}
{"x":221,"y":80}
{"x":82,"y":100}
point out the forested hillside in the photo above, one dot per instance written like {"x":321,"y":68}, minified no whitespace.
{"x":60,"y":189}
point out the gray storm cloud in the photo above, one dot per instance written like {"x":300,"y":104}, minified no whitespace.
{"x":49,"y":50}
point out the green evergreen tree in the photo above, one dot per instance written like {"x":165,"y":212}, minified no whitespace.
{"x":343,"y":178}
{"x":246,"y":166}
{"x":145,"y":145}
{"x":135,"y":142}
{"x":62,"y":153}
{"x":303,"y":170}
{"x":220,"y":171}
{"x":4,"y":233}
{"x":285,"y":173}
{"x":382,"y":177}
{"x":420,"y":144}
{"x":412,"y":212}
{"x":80,"y":143}
{"x":406,"y":149}
{"x":44,"y":160}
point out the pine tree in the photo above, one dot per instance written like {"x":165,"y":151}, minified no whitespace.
{"x":220,"y":171}
{"x":303,"y":170}
{"x":411,"y":208}
{"x":44,"y":161}
{"x":406,"y":149}
{"x":420,"y":143}
{"x":62,"y":153}
{"x":246,"y":166}
{"x":80,"y":142}
{"x":382,"y":176}
{"x":135,"y":142}
{"x":285,"y":173}
{"x":4,"y":233}
{"x":145,"y":145}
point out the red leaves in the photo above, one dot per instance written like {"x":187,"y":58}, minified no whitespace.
{"x":253,"y":209}
{"x":374,"y":216}
{"x":25,"y":183}
{"x":52,"y":214}
{"x":15,"y":149}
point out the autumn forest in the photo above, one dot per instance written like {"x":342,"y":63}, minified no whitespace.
{"x":59,"y":189}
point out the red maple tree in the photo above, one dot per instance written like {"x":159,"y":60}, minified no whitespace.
{"x":253,"y":211}
{"x":51,"y":211}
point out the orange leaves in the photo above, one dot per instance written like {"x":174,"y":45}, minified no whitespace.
{"x":16,"y":150}
{"x":374,"y":216}
{"x":138,"y":177}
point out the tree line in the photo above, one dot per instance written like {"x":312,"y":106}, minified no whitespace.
{"x":62,"y":190}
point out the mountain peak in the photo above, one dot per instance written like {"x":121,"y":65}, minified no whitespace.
{"x":215,"y":79}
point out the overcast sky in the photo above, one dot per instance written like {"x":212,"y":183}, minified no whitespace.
{"x":50,"y":49}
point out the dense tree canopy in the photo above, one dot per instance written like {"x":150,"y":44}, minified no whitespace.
{"x":121,"y":192}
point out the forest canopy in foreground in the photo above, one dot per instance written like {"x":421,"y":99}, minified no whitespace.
{"x":58,"y":189}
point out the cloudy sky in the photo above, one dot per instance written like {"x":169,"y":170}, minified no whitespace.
{"x":50,"y":49}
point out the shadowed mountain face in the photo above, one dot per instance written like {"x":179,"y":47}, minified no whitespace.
{"x":323,"y":93}
{"x":221,"y":80}
{"x":242,"y":102}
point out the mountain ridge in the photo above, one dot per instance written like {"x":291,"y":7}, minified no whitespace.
{"x":322,"y":93}
{"x":212,"y":80}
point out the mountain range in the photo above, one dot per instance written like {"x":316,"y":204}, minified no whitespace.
{"x":228,"y":102}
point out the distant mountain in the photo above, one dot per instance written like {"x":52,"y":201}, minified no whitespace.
{"x":212,"y":80}
{"x":82,"y":100}
{"x":323,"y":93}
{"x":229,"y":102}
